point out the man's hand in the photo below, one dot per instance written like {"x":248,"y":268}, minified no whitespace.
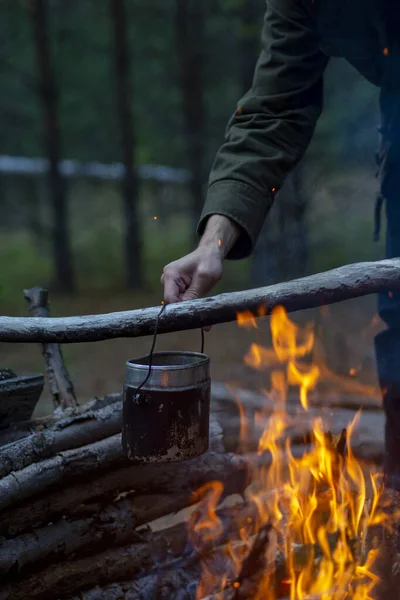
{"x":194,"y":275}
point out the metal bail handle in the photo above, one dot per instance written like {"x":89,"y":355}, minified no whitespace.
{"x":153,"y":345}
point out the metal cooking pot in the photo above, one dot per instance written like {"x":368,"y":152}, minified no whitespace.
{"x":166,"y":419}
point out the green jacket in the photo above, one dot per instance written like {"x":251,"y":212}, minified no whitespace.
{"x":274,"y":122}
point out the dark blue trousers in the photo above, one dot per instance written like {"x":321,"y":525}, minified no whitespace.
{"x":387,"y":343}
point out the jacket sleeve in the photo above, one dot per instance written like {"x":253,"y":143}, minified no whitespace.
{"x":272,"y":125}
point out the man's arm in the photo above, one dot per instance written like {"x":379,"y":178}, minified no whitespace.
{"x":266,"y":137}
{"x":273,"y":124}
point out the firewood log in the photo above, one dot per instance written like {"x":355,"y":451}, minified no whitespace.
{"x":59,"y":419}
{"x":71,"y":466}
{"x":164,"y":549}
{"x":343,"y":283}
{"x":58,"y":378}
{"x":115,"y":525}
{"x":64,"y":434}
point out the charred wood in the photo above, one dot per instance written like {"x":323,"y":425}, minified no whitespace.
{"x":155,"y":552}
{"x":115,"y":525}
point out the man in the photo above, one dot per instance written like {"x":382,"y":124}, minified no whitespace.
{"x":269,"y":134}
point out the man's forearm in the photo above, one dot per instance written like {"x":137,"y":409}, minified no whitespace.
{"x":221,"y":232}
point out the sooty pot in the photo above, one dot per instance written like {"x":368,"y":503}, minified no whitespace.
{"x":166,"y":409}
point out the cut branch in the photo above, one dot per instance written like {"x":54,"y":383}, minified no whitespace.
{"x":340,"y":284}
{"x":87,"y":497}
{"x":72,"y":466}
{"x":58,"y":419}
{"x":155,"y":552}
{"x":113,"y":526}
{"x":62,"y":468}
{"x":58,"y":378}
{"x":65,"y":434}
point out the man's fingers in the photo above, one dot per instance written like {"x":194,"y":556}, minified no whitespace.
{"x":200,"y":285}
{"x":171,"y":289}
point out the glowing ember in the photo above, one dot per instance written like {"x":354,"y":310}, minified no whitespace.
{"x":317,"y":504}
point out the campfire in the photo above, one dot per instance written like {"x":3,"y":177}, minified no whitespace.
{"x":308,"y":535}
{"x":287,"y":503}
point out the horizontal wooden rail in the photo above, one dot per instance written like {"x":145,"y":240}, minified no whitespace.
{"x":343,"y":283}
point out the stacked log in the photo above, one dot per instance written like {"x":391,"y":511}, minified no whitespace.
{"x":76,"y":517}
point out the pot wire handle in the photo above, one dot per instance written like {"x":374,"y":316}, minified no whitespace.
{"x":153,"y":345}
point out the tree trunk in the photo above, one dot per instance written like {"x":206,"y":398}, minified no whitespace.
{"x":190,"y":49}
{"x":133,"y":246}
{"x":63,"y":271}
{"x":30,"y":187}
{"x":292,"y":255}
{"x":282,"y":249}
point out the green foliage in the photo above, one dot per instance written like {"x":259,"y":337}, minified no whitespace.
{"x":22,"y":266}
{"x":82,"y":60}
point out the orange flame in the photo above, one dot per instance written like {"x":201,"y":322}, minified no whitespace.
{"x":246,"y":319}
{"x":317,"y":503}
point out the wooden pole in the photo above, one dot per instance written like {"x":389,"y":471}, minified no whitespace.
{"x":343,"y":283}
{"x":59,"y":380}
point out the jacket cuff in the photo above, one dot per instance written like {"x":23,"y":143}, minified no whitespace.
{"x":241,"y":203}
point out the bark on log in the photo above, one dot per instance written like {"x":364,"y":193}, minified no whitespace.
{"x":113,"y":526}
{"x":59,"y":418}
{"x":221,"y":392}
{"x":367,"y":440}
{"x":73,"y":466}
{"x":88,"y":498}
{"x":63,"y":434}
{"x":60,"y":582}
{"x":63,"y":468}
{"x":58,"y":378}
{"x":172,"y":584}
{"x":18,"y":399}
{"x":168,"y":546}
{"x":340,"y":284}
